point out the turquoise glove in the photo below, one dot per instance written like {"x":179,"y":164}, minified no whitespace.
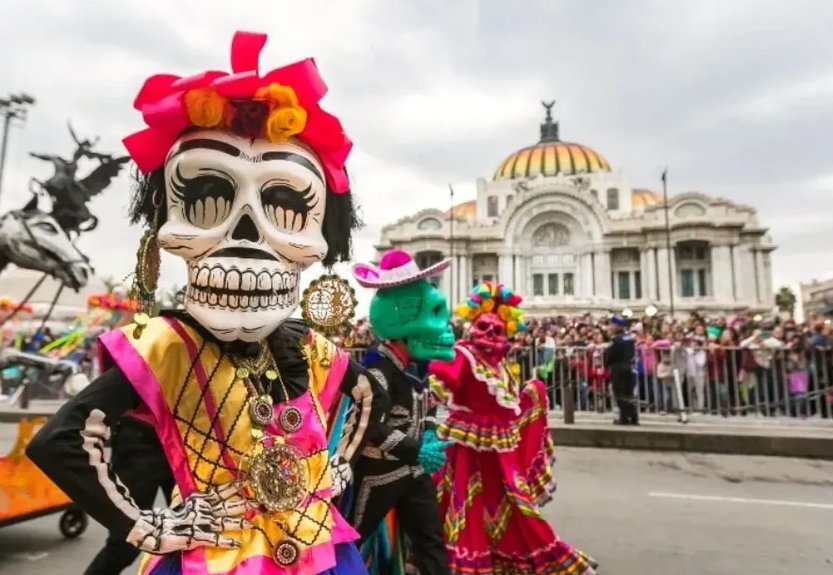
{"x":432,"y":451}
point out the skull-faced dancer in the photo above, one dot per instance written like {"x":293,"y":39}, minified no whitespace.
{"x":242,"y":176}
{"x":393,"y":492}
{"x":498,"y":470}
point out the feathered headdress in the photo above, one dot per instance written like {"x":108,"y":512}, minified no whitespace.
{"x":487,"y":297}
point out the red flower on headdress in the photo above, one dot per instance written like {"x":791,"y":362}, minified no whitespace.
{"x":162,"y":103}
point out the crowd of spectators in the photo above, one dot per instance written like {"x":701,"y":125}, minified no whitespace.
{"x":733,"y":365}
{"x":727,"y":365}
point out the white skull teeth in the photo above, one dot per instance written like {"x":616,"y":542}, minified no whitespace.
{"x":242,"y":290}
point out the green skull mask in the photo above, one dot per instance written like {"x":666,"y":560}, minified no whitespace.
{"x":418,"y":314}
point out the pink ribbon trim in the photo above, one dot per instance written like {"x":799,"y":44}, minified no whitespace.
{"x":333,"y":384}
{"x":116,"y":350}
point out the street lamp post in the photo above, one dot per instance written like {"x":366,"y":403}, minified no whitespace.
{"x":453,"y":287}
{"x":668,"y":242}
{"x":13,"y":107}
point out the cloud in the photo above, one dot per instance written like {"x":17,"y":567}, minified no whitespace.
{"x":735,"y":97}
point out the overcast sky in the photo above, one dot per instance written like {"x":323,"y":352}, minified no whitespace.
{"x":735,"y":96}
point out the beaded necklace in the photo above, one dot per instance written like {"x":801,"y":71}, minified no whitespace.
{"x":274,"y":467}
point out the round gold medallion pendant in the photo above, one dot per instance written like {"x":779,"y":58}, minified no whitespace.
{"x":261,"y":410}
{"x":290,"y":419}
{"x":286,"y":553}
{"x":278,"y":477}
{"x":329,"y":303}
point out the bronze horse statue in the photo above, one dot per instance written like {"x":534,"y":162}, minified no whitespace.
{"x":70,"y":194}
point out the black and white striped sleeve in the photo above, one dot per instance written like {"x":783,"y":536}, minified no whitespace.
{"x":370,"y":403}
{"x":74,"y":450}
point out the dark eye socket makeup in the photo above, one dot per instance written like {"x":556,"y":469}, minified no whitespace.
{"x":206,"y":198}
{"x":286,"y":207}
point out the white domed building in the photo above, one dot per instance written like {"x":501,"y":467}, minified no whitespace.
{"x":559,"y":224}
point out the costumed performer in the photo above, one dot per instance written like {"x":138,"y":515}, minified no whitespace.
{"x":242,"y":176}
{"x":498,"y":471}
{"x":393,"y":473}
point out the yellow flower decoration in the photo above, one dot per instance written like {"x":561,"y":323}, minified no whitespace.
{"x":204,"y":107}
{"x":278,"y":95}
{"x":283,"y":123}
{"x":286,"y":117}
{"x":487,"y":305}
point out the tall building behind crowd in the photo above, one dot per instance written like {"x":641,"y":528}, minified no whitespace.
{"x":817,"y":298}
{"x":566,"y":229}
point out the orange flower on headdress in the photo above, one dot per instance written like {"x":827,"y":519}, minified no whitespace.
{"x":283,"y":123}
{"x":286,"y":117}
{"x":278,"y":95}
{"x":204,"y":107}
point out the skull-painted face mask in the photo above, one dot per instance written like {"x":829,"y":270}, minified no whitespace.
{"x":418,"y":314}
{"x":246,"y":216}
{"x":488,"y":334}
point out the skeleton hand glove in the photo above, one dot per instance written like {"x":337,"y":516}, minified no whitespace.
{"x":432,"y":451}
{"x":341,"y":474}
{"x":196,"y":522}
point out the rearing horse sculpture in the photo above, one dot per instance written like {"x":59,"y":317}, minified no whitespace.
{"x":32,"y":239}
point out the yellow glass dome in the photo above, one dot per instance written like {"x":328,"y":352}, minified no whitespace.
{"x":550,"y":159}
{"x":550,"y":156}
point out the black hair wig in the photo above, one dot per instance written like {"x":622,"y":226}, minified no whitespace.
{"x":341,"y":215}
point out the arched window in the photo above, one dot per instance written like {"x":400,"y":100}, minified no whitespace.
{"x":690,"y":210}
{"x":429,"y":224}
{"x":509,"y":201}
{"x":551,"y":235}
{"x":492,"y":206}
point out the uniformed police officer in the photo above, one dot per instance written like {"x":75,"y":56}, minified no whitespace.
{"x":619,"y":358}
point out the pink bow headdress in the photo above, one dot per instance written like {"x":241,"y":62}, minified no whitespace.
{"x":281,"y":104}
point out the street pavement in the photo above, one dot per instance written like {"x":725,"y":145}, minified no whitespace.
{"x":637,"y":513}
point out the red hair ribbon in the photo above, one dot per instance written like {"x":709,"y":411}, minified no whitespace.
{"x":161,"y":102}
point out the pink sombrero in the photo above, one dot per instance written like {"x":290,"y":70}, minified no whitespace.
{"x":396,"y":268}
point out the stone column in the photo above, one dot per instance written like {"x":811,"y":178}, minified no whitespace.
{"x":445,"y":283}
{"x":521,"y":279}
{"x":462,"y":278}
{"x":584,"y":281}
{"x":756,"y":272}
{"x":721,"y":273}
{"x":649,"y":273}
{"x":768,"y":291}
{"x":664,"y":295}
{"x":602,"y":273}
{"x":504,"y":268}
{"x":745,"y":263}
{"x":737,"y":276}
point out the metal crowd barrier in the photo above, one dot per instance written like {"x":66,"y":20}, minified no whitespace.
{"x":727,"y":381}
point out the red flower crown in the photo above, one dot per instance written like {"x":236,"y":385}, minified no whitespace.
{"x":281,"y":104}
